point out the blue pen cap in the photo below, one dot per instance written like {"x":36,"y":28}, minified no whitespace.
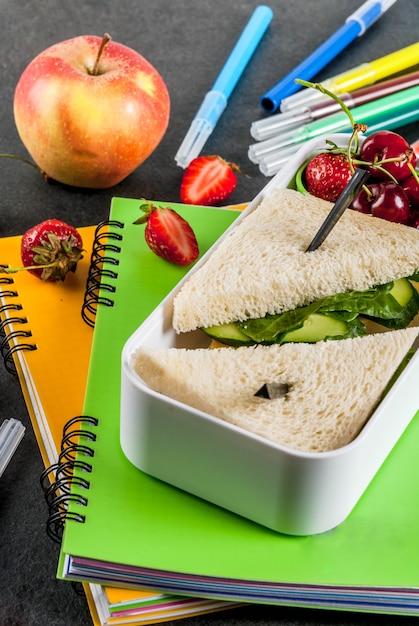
{"x":369,"y":13}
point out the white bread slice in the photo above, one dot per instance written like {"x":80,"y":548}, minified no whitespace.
{"x":261,"y":266}
{"x":334,"y":386}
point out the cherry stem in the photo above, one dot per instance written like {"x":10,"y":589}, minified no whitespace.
{"x":105,"y":39}
{"x":353,"y":138}
{"x":414,"y":172}
{"x":326,"y":92}
{"x":356,"y":128}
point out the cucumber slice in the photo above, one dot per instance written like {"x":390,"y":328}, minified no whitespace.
{"x":229,"y":334}
{"x":407,"y":298}
{"x":317,"y":327}
{"x":402,"y":291}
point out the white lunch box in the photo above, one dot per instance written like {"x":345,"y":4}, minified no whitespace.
{"x":289,"y":491}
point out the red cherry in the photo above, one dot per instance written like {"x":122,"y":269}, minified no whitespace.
{"x":414,"y":219}
{"x":383,"y":145}
{"x":411,"y":188}
{"x":384,"y":199}
{"x":361,"y":202}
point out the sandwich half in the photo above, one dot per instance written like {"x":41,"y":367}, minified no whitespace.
{"x":279,"y":307}
{"x":259,"y":285}
{"x":327,"y":390}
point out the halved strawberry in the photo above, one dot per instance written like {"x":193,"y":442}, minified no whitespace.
{"x":168,"y":234}
{"x":327,"y":174}
{"x":50,"y":250}
{"x":208,"y":180}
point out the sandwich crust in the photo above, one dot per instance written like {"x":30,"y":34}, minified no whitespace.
{"x":261,"y":267}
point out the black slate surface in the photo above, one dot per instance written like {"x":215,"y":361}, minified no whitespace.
{"x":188,"y":42}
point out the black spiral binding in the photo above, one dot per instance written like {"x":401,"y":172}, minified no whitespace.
{"x":58,"y":479}
{"x":104,"y":249}
{"x":12,"y":340}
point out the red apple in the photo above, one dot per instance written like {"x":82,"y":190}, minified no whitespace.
{"x":90,"y":111}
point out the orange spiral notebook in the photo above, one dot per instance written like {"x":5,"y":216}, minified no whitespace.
{"x":192,"y":547}
{"x":45,"y":340}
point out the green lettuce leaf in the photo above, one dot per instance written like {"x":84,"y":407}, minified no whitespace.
{"x":376,"y":304}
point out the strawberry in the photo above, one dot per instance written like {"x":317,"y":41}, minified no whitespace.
{"x":168,"y":234}
{"x":49,"y":250}
{"x":208,"y":180}
{"x":327,"y":174}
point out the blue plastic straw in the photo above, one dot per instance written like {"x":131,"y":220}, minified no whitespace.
{"x":11,"y":432}
{"x":216,"y":99}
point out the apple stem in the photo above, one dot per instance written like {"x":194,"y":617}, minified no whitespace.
{"x":27,"y":161}
{"x":105,"y":39}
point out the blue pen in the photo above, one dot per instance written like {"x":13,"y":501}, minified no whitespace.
{"x":216,"y":99}
{"x":355,"y":26}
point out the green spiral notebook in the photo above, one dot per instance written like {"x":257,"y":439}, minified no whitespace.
{"x":131,"y":529}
